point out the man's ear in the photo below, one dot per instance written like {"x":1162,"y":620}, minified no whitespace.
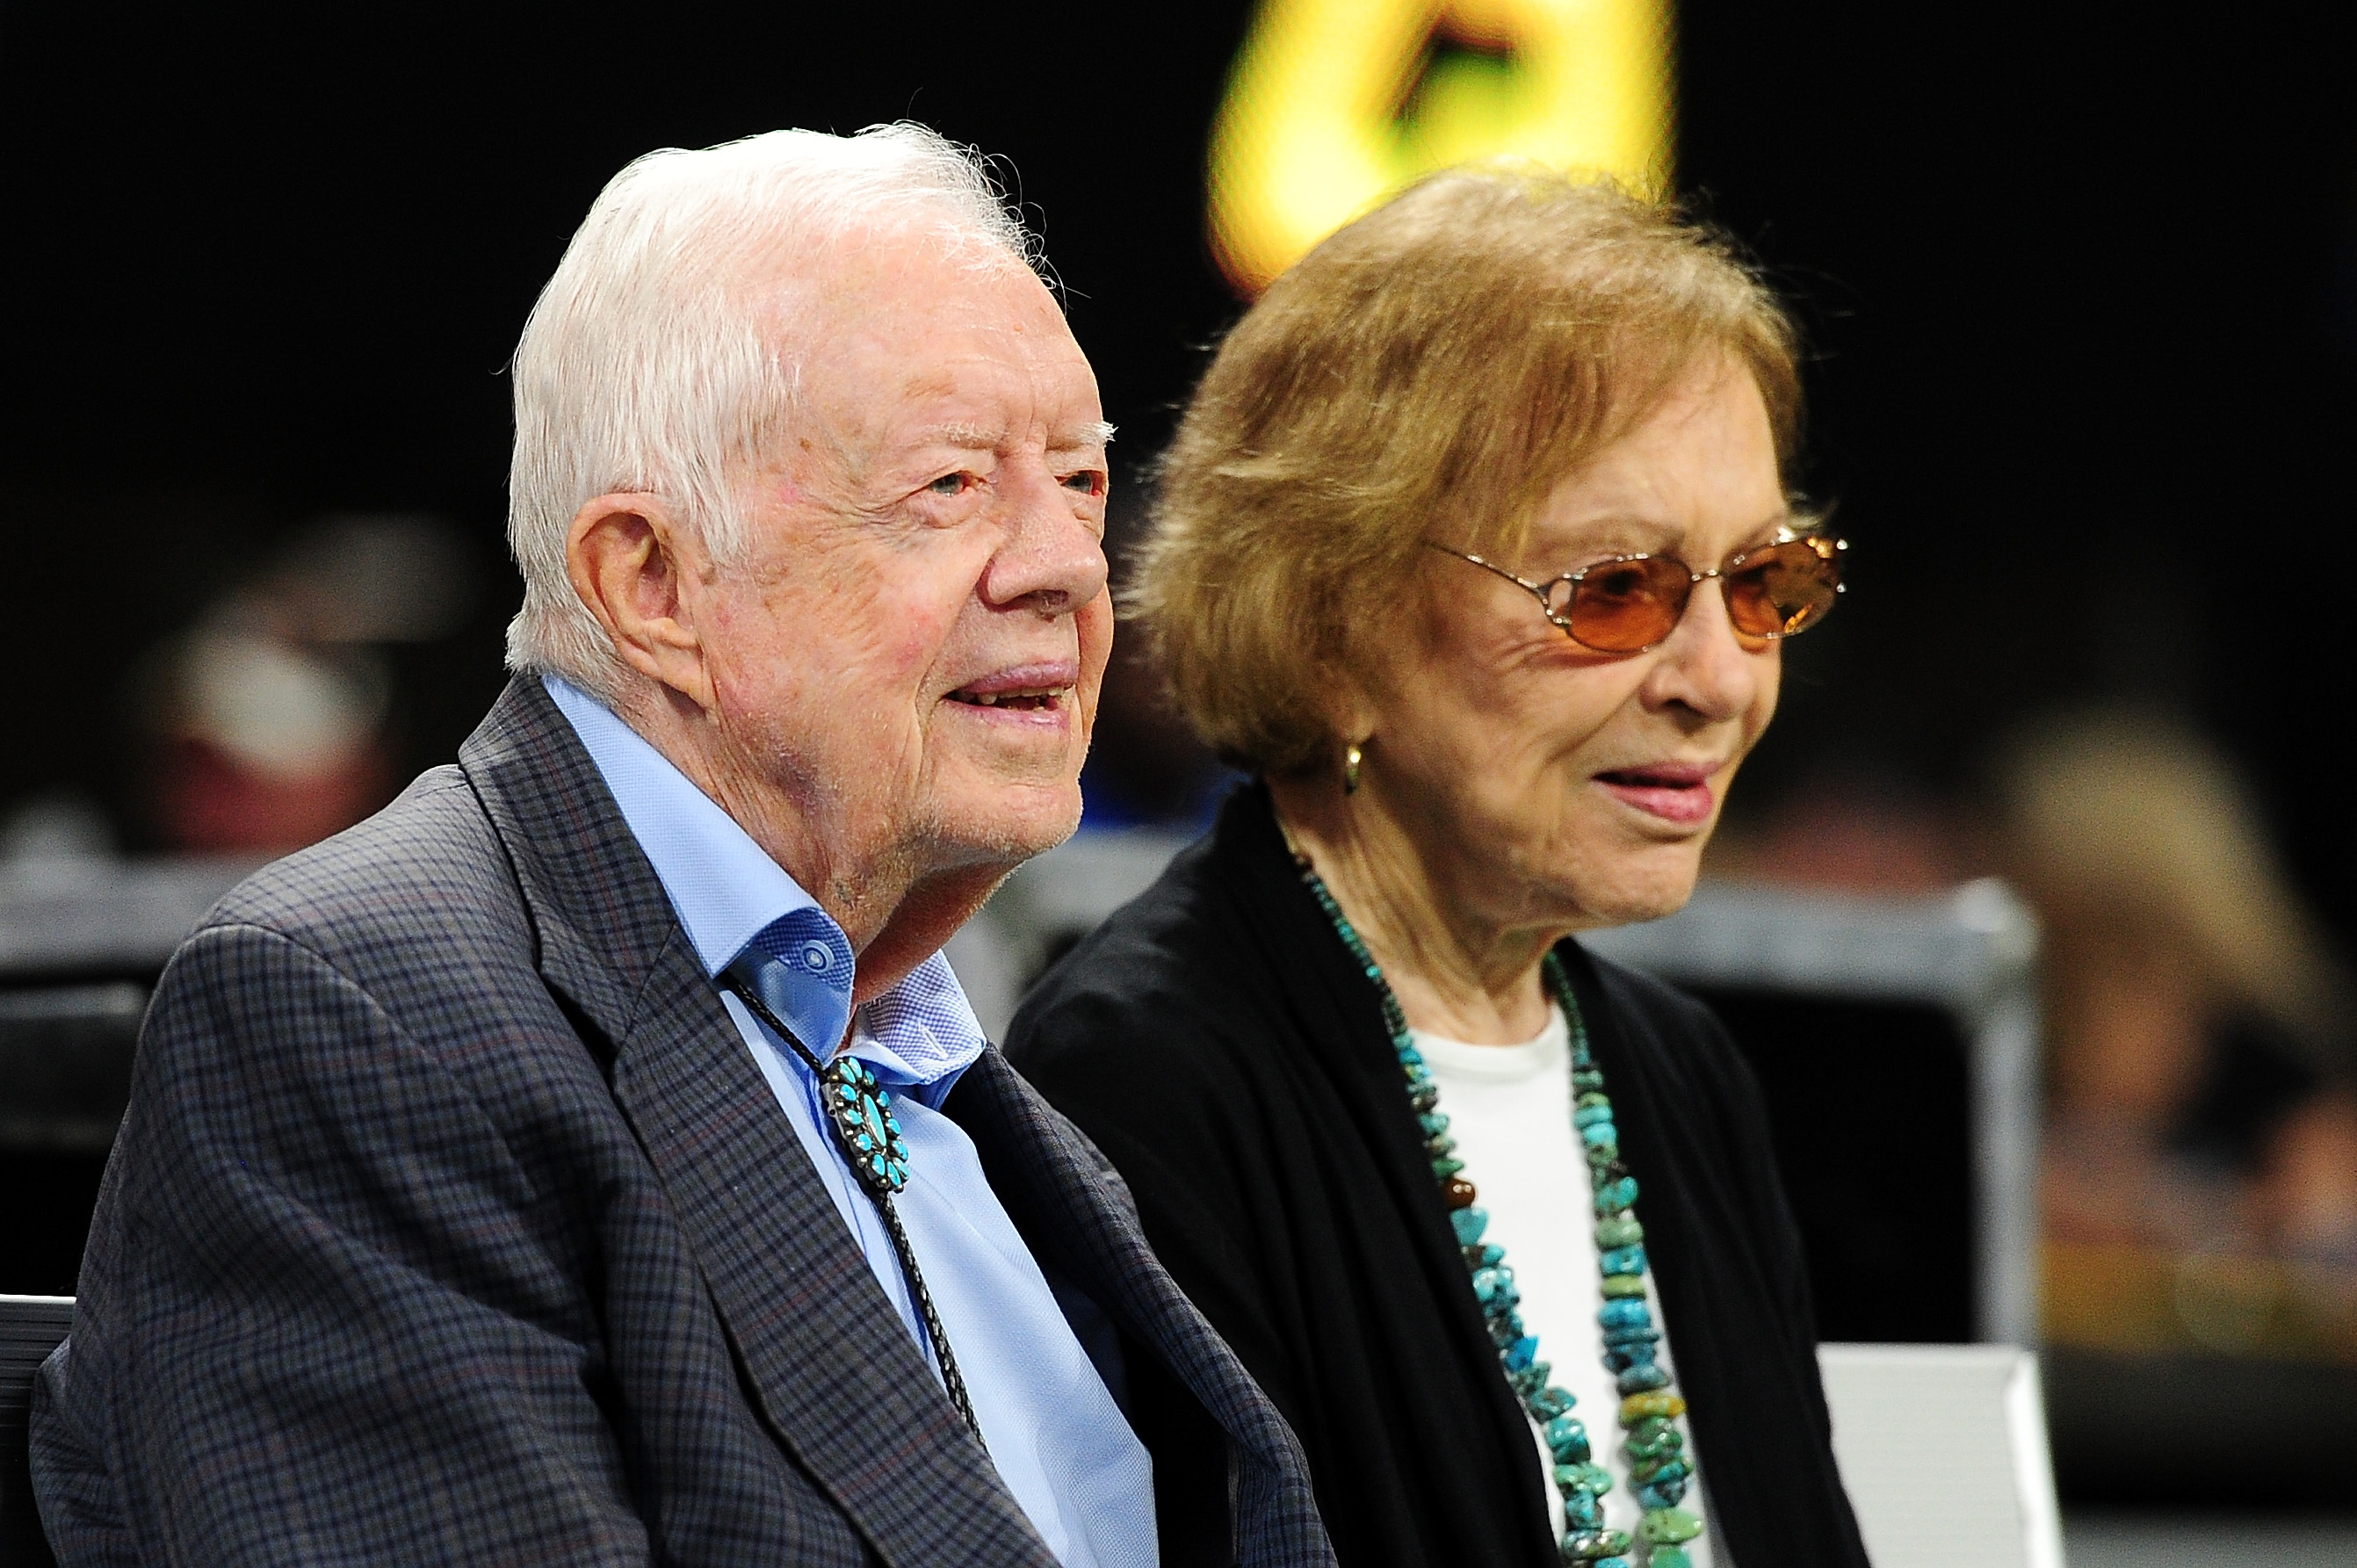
{"x":638,"y":571}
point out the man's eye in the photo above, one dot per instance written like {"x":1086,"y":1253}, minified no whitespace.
{"x":1088,"y":481}
{"x":949,"y":484}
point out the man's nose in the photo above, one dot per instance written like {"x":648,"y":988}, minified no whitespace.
{"x":1703,"y":664}
{"x":1051,"y":556}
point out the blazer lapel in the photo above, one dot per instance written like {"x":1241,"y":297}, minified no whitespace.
{"x":824,"y":1354}
{"x":1075,"y":1211}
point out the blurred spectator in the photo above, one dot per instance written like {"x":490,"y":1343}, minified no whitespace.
{"x":267,"y":720}
{"x":2200,"y":1157}
{"x":1849,"y":828}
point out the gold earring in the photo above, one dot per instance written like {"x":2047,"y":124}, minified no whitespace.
{"x":1350,"y":770}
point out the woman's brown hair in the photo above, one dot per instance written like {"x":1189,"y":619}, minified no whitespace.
{"x":1438,"y":366}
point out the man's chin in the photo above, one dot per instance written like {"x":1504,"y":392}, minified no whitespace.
{"x":1009,"y":823}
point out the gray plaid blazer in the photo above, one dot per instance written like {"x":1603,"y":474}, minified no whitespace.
{"x":452,"y":1223}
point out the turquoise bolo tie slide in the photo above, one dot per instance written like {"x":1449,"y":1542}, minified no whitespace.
{"x":861,"y":1108}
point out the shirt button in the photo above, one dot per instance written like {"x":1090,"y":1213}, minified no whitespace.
{"x":816,"y":958}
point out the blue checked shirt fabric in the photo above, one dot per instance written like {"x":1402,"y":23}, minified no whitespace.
{"x":1050,"y":1424}
{"x":453,"y":1220}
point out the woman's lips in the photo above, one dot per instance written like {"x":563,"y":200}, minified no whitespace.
{"x":1676,"y":792}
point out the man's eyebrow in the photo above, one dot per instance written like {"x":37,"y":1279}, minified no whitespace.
{"x":989,"y":438}
{"x":975,"y":437}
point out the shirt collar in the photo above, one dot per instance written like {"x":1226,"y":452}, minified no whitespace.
{"x":919,"y":1035}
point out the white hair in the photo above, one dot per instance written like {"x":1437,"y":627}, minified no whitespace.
{"x":646,"y":367}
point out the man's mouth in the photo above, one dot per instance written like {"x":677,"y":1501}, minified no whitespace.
{"x":1040,"y":687}
{"x":1023,"y":698}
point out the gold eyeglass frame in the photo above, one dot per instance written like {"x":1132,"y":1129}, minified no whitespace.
{"x":1828,"y":550}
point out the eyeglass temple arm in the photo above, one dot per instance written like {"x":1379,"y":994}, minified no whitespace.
{"x":1537,"y":590}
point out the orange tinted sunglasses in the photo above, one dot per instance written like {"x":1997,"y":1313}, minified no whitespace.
{"x":1631,"y":603}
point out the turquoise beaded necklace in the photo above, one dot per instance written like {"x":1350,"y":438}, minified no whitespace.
{"x":1659,"y":1465}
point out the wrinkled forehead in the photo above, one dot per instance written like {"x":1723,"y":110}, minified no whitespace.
{"x":897,"y":338}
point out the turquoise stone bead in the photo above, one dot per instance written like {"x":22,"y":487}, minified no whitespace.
{"x":1566,"y":1439}
{"x":1629,"y":1260}
{"x":1492,"y":1284}
{"x":1587,"y":1115}
{"x":1621,"y":1230}
{"x":1531,"y":1379}
{"x":1661,"y":1402}
{"x":1446,"y":1166}
{"x":1637,"y":1379}
{"x":1586,"y":1079}
{"x":1661,"y":1495}
{"x":1468,"y":1224}
{"x":1591,"y":1098}
{"x":1599,"y":1133}
{"x":1433,"y":1123}
{"x":1548,"y":1403}
{"x":1624,"y":1285}
{"x":1580,"y":1511}
{"x":1655,"y":1436}
{"x":1613,"y":1197}
{"x":1670,"y":1557}
{"x":1624,"y":1314}
{"x":1594,"y":1545}
{"x":1488,"y":1255}
{"x":1617,"y":1361}
{"x":1521,"y":1353}
{"x":1668,"y":1527}
{"x":1586,"y":1477}
{"x":1660,"y":1467}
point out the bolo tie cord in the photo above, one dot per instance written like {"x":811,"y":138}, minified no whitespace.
{"x":881,"y":1191}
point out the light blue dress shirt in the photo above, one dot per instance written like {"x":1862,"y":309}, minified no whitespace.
{"x":1058,"y":1440}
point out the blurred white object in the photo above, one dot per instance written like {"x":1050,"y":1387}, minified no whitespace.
{"x":1944,"y":1450}
{"x":274,"y":705}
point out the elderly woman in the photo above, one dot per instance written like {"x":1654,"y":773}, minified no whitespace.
{"x":1475,"y":548}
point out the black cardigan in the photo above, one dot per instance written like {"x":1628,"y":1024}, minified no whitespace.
{"x":1222,"y":1046}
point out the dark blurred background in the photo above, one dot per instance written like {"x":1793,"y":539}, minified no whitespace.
{"x":2081,"y":281}
{"x":2079,"y":284}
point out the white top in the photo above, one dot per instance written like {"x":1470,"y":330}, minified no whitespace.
{"x":1509,"y":1108}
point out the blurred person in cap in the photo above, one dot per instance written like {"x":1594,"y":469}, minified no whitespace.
{"x":268,"y":722}
{"x":1475,"y":549}
{"x":2198,"y":1023}
{"x":590,"y":1158}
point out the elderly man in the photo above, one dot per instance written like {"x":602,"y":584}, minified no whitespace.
{"x":591,"y":1158}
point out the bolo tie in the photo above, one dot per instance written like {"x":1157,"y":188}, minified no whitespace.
{"x":859,"y":1108}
